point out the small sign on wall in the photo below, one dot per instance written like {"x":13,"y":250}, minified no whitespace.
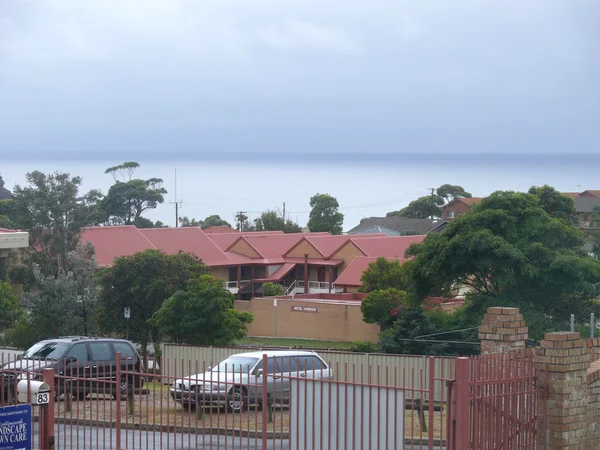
{"x":308,"y":309}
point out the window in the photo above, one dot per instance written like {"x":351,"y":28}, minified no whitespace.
{"x":450,"y":214}
{"x":125,"y":349}
{"x":46,"y":350}
{"x":101,"y":351}
{"x":235,"y":364}
{"x":79,"y":351}
{"x":311,"y":363}
{"x":288,"y":364}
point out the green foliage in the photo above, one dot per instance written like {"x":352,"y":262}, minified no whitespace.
{"x":556,"y":204}
{"x":430,"y":206}
{"x":324,"y":215}
{"x":214,"y":221}
{"x":7,"y":214}
{"x":382,"y":306}
{"x":9,"y":306}
{"x":22,"y":335}
{"x":384,"y":274}
{"x":272,"y":221}
{"x":54,"y":212}
{"x":363,"y":347}
{"x":203,"y":314}
{"x":509,"y":246}
{"x":127,"y":200}
{"x":143,"y":282}
{"x":242,"y":222}
{"x":272,"y":289}
{"x":410,"y":323}
{"x":187,"y":222}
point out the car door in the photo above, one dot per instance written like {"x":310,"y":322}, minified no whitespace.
{"x":129,"y":361}
{"x":101,"y":355}
{"x":76,"y":370}
{"x":311,"y":367}
{"x":290,"y":370}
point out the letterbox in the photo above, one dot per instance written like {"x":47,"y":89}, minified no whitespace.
{"x":34,"y":392}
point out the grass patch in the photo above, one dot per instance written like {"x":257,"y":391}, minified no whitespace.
{"x":289,"y":342}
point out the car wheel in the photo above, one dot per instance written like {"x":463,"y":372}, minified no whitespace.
{"x":79,"y":395}
{"x":124,"y":387}
{"x":237,"y":400}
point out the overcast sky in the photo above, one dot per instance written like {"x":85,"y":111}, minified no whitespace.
{"x":264,"y":101}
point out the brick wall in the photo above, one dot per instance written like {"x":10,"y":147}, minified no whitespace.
{"x":310,"y":319}
{"x":502,"y":330}
{"x":593,"y":409}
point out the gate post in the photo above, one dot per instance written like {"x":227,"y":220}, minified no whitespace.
{"x":47,"y":414}
{"x":462,"y":426}
{"x":562,"y":362}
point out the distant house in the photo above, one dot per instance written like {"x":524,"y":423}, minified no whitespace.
{"x":585,"y":208}
{"x":395,"y":226}
{"x":457,"y":207}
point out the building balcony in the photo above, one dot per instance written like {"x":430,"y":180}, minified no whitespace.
{"x":314,"y":287}
{"x":234,"y":286}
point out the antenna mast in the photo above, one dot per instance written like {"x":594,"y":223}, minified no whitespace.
{"x":176,"y":202}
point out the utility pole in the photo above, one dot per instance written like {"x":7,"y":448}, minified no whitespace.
{"x":432,"y":194}
{"x":284,"y":213}
{"x":176,"y":202}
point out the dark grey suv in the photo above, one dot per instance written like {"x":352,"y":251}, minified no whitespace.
{"x":82,"y":365}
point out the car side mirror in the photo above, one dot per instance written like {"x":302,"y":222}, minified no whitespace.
{"x":19,"y":357}
{"x":71,"y":360}
{"x":259,"y":373}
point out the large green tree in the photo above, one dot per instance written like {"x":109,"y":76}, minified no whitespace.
{"x":382,"y":306}
{"x":384,"y":274}
{"x":430,"y":206}
{"x":130,"y":197}
{"x":7,"y":214}
{"x":325,"y":215}
{"x":54,"y":212}
{"x":509,"y":247}
{"x":272,"y":221}
{"x":556,"y":204}
{"x":142,"y":282}
{"x":10,"y":310}
{"x":202,"y":314}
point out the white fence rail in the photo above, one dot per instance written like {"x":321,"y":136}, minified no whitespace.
{"x":375,"y":368}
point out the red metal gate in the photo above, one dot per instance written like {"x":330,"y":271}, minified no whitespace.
{"x":496,"y":403}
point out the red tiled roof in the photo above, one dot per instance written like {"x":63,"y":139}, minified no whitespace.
{"x":392,"y":247}
{"x":224,"y":240}
{"x":274,"y":245}
{"x":279,"y":273}
{"x":220,"y":229}
{"x":316,"y":261}
{"x":571,"y":194}
{"x":327,"y":245}
{"x":591,"y":192}
{"x":353,"y":273}
{"x":187,"y":239}
{"x":113,"y":242}
{"x":470,"y":201}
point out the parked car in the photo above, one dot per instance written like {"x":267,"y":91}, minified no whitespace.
{"x":237,"y":381}
{"x":81,"y":365}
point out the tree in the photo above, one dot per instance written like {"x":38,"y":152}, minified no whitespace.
{"x":430,"y":206}
{"x":54,"y":213}
{"x":272,"y":221}
{"x":384,"y":274}
{"x":82,"y":268}
{"x":129,"y":198}
{"x":509,"y":246}
{"x":9,"y":305}
{"x":186,"y":222}
{"x":202,"y":314}
{"x":272,"y":289}
{"x":324,"y":215}
{"x":7,"y":214}
{"x":242,"y":222}
{"x":143,"y":282}
{"x":556,"y":204}
{"x":410,"y":323}
{"x":382,"y":306}
{"x":214,"y":221}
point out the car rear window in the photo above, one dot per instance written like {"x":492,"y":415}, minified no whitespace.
{"x":311,"y":363}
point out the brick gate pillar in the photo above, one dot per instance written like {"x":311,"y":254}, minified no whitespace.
{"x":562,"y":362}
{"x":502,"y":330}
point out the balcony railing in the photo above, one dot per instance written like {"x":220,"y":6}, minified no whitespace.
{"x":233,"y":286}
{"x":314,"y":285}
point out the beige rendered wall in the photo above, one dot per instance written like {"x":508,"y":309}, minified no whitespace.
{"x":302,"y":249}
{"x":220,"y":272}
{"x":330,"y":322}
{"x":348,"y":252}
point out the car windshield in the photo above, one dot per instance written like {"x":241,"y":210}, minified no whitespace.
{"x":235,"y":364}
{"x":46,"y":350}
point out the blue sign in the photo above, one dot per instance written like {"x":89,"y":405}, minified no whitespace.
{"x":15,"y":427}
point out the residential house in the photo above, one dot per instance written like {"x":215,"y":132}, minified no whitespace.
{"x":306,"y":263}
{"x":395,"y":226}
{"x":458,"y":206}
{"x":11,"y":239}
